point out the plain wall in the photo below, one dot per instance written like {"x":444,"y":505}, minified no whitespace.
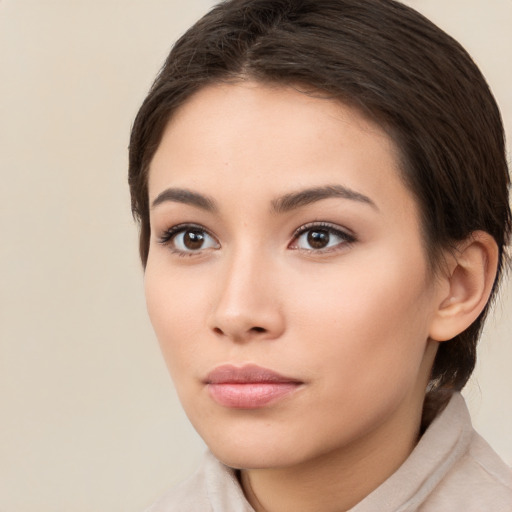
{"x":89,"y":419}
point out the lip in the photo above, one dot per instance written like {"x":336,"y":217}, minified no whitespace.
{"x":248,"y":386}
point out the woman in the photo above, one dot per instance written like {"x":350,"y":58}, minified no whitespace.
{"x":322,"y":192}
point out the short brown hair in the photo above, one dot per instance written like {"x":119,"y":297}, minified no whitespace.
{"x":396,"y":67}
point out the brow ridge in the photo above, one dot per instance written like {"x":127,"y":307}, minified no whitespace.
{"x":182,"y":195}
{"x":301,"y":198}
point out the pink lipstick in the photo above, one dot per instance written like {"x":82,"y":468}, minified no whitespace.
{"x":248,"y":386}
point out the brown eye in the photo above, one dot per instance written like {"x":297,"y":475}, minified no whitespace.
{"x":189,"y":240}
{"x":193,"y":239}
{"x":318,"y":238}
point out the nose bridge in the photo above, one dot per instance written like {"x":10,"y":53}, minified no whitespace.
{"x":247,"y":302}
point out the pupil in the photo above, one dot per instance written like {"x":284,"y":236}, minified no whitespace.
{"x":193,"y":239}
{"x":318,"y":239}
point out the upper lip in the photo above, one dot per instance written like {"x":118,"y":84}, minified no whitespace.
{"x":229,"y":373}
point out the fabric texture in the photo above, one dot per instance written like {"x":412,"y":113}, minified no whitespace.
{"x":452,"y":469}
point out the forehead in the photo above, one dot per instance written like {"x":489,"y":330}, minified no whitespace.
{"x":272,"y":139}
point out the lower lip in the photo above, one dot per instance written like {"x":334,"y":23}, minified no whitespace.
{"x":250,"y":395}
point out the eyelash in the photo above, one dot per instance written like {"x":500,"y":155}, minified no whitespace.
{"x":346,"y":237}
{"x":170,"y":234}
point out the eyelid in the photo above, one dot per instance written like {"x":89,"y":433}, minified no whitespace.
{"x":169,"y":234}
{"x":348,"y":236}
{"x":345,"y":234}
{"x":323,"y":225}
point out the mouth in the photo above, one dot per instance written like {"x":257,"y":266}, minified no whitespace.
{"x":248,"y":386}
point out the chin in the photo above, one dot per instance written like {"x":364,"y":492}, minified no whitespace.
{"x":249,"y":458}
{"x":262,"y":448}
{"x":252,"y":448}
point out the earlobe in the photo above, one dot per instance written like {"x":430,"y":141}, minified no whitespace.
{"x":469,"y":279}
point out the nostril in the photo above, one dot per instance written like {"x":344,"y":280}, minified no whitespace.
{"x":219,"y":331}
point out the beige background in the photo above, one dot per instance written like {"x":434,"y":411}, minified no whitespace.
{"x":89,"y":420}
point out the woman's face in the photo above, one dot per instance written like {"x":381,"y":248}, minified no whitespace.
{"x":286,"y":279}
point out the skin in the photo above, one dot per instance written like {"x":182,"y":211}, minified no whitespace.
{"x":351,"y":321}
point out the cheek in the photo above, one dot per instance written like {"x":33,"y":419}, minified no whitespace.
{"x":372,"y":318}
{"x":364,"y":347}
{"x":175,"y":310}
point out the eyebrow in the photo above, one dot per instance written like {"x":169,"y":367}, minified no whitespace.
{"x":311,"y":195}
{"x":181,"y":195}
{"x":282,"y":204}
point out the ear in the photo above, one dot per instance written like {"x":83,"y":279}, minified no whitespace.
{"x":465,"y":286}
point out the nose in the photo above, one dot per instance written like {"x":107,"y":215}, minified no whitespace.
{"x":247,"y":305}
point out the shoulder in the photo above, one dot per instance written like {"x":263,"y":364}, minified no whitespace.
{"x":212,"y":488}
{"x":452,"y":469}
{"x":477,"y":480}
